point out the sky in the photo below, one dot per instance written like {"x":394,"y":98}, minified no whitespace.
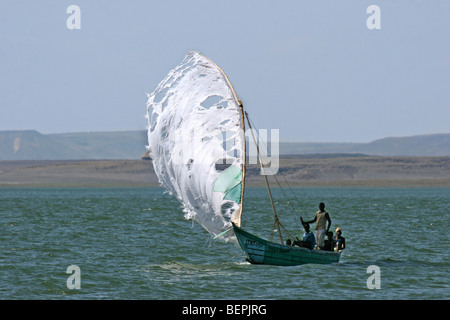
{"x":314,"y":70}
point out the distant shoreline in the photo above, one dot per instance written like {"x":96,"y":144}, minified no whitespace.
{"x":33,"y":145}
{"x":358,"y":172}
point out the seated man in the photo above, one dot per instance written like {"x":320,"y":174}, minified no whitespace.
{"x":309,"y":240}
{"x":339,"y":240}
{"x":329,"y":243}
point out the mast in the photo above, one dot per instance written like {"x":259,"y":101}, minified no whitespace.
{"x":275,"y":216}
{"x":236,"y":218}
{"x":244,"y":156}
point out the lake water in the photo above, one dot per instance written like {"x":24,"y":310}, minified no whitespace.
{"x":134,"y":243}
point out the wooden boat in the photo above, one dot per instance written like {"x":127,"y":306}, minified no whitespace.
{"x":260,"y":251}
{"x":193,"y":106}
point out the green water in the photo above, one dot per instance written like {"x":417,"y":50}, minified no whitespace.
{"x":136,"y":244}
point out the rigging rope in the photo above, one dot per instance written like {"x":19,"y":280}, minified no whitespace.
{"x":278,"y":223}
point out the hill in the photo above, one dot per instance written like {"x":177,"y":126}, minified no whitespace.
{"x":32,"y":145}
{"x":422,"y":145}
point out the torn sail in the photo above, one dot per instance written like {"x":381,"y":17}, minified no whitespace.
{"x":197,"y":143}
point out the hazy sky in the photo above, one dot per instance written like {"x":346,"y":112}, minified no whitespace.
{"x":312,"y":69}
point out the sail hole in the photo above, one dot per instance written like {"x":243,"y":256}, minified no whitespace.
{"x":164,"y":133}
{"x":211,"y":101}
{"x":153,"y":121}
{"x":222,"y":164}
{"x":222,"y":104}
{"x":189,"y":164}
{"x":160,"y":95}
{"x":227,"y":209}
{"x":165,"y":103}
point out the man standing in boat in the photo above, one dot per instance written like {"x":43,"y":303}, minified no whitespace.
{"x":321,"y":218}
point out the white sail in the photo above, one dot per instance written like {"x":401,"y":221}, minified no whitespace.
{"x":196,"y":142}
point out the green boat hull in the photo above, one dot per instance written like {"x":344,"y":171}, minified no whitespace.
{"x":260,"y":251}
